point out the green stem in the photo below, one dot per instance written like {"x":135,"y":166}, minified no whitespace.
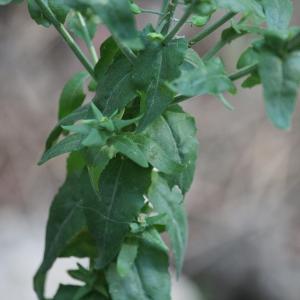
{"x":243,"y":72}
{"x":128,"y":53}
{"x":203,"y":34}
{"x":294,"y":43}
{"x":168,"y":15}
{"x":87,"y":37}
{"x":180,"y":23}
{"x":66,"y":36}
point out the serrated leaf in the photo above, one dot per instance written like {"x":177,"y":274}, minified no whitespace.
{"x":148,"y":279}
{"x":209,"y":79}
{"x":127,"y":146}
{"x":127,"y":256}
{"x":120,"y":198}
{"x":278,"y":13}
{"x":280,"y":78}
{"x":169,"y":202}
{"x":66,"y":220}
{"x":69,"y":144}
{"x":72,"y":95}
{"x":115,"y":91}
{"x":246,"y":6}
{"x":152,"y":69}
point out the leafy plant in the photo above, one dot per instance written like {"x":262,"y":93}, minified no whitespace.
{"x":132,"y":147}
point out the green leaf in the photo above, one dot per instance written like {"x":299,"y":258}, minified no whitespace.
{"x":170,"y":202}
{"x":245,"y":6}
{"x":120,"y":198}
{"x":115,"y":91}
{"x":278,"y":13}
{"x":209,"y":79}
{"x":118,"y":18}
{"x":248,"y":58}
{"x":36,"y":13}
{"x":69,"y":144}
{"x":152,"y":69}
{"x":184,"y":133}
{"x":82,"y":112}
{"x":108,"y":51}
{"x":127,"y":256}
{"x":280,"y":78}
{"x":59,"y":9}
{"x":157,"y":156}
{"x":65,"y":292}
{"x":72,"y":95}
{"x":149,"y":278}
{"x":66,"y":220}
{"x":127,"y":146}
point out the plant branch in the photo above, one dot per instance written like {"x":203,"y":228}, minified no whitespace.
{"x":168,"y":15}
{"x":87,"y":37}
{"x":243,"y":72}
{"x":66,"y":36}
{"x":203,"y":34}
{"x":180,"y":23}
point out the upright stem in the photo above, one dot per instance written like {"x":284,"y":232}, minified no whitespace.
{"x":87,"y":37}
{"x":66,"y":36}
{"x":169,"y":13}
{"x":203,"y":34}
{"x":183,"y":19}
{"x":128,"y":53}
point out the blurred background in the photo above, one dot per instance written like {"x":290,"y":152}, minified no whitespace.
{"x":244,"y":207}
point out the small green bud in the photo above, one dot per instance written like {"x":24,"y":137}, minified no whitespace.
{"x":199,"y":21}
{"x":155,"y":36}
{"x":135,"y":8}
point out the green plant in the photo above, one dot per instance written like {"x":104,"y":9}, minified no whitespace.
{"x":132,"y":147}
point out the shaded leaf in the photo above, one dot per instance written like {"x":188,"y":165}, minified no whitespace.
{"x":72,"y":95}
{"x":115,"y":91}
{"x":66,"y":221}
{"x":152,"y":69}
{"x":120,"y":198}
